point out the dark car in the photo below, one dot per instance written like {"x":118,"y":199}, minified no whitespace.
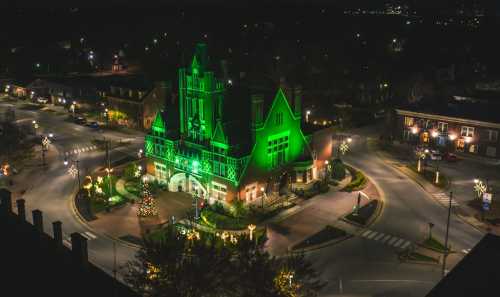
{"x":94,"y":125}
{"x":80,"y":120}
{"x":450,"y":157}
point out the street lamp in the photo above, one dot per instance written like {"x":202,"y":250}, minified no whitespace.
{"x":308,"y":112}
{"x":139,"y":153}
{"x":74,"y":171}
{"x":108,"y":172}
{"x":251,"y":228}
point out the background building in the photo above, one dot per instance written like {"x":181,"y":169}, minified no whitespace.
{"x":466,"y":127}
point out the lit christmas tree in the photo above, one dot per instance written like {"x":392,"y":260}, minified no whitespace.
{"x":148,"y":205}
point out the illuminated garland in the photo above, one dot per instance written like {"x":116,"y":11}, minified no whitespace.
{"x":148,"y":205}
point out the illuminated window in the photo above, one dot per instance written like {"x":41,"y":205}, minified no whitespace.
{"x":277,"y":149}
{"x":409,"y":121}
{"x":219,"y":191}
{"x":443,"y":127}
{"x":279,"y":118}
{"x":467,"y":131}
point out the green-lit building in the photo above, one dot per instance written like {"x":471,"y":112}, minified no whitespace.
{"x":227,"y":139}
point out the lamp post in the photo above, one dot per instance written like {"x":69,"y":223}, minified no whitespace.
{"x":108,"y":172}
{"x":430,"y":229}
{"x":446,"y":237}
{"x":45,"y":147}
{"x":72,"y":107}
{"x":74,"y":171}
{"x":326,"y":169}
{"x":251,"y":228}
{"x":308,"y":113}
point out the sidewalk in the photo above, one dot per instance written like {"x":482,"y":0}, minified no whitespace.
{"x":312,"y":216}
{"x":464,"y":212}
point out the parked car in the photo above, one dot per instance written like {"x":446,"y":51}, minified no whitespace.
{"x":42,"y":100}
{"x":450,"y":157}
{"x":80,"y":120}
{"x":94,"y":125}
{"x":435,"y":155}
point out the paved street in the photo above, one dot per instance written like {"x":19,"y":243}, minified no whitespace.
{"x":362,"y":265}
{"x":366,"y":264}
{"x":51,"y":189}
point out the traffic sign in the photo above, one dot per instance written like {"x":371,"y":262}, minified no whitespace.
{"x":487,"y":197}
{"x":486,"y":206}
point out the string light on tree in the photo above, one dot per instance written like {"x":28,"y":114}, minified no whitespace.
{"x":148,"y":205}
{"x":73,"y":171}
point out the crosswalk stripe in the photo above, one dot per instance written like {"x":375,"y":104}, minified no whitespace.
{"x":392,"y":240}
{"x":379,"y":236}
{"x":67,"y":243}
{"x":399,"y":242}
{"x":86,"y":236}
{"x":366,"y":233}
{"x":386,"y":238}
{"x":372,"y":235}
{"x":407,"y":243}
{"x":75,"y":151}
{"x":91,"y":235}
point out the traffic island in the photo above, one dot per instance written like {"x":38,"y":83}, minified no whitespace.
{"x":491,"y":216}
{"x":430,"y":176}
{"x":363,"y":215}
{"x":328,"y":236}
{"x":435,"y":245}
{"x":419,"y":257}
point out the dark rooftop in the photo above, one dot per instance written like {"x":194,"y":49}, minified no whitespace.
{"x":486,"y":112}
{"x":476,"y":275}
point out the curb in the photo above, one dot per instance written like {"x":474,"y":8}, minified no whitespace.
{"x":321,"y":245}
{"x":380,"y":206}
{"x":463,"y":219}
{"x":374,"y":217}
{"x":82,"y":221}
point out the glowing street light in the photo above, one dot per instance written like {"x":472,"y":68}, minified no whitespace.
{"x":435,"y":134}
{"x":262,"y":196}
{"x":414,"y":130}
{"x":452,"y":137}
{"x":308,"y":113}
{"x":251,"y":228}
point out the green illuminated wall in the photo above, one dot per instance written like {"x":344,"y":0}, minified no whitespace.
{"x":280,"y":123}
{"x":204,"y":150}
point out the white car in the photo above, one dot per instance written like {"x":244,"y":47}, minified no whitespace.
{"x":435,"y":155}
{"x":42,"y":100}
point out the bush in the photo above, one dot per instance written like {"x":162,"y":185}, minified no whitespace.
{"x":338,"y":171}
{"x":219,"y":221}
{"x":358,"y":181}
{"x":130,"y":170}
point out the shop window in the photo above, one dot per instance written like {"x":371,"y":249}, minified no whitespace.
{"x":409,"y":121}
{"x":467,"y":131}
{"x":460,"y":144}
{"x":443,"y":127}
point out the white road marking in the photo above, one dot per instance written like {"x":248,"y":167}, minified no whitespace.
{"x":407,"y":243}
{"x":372,"y":235}
{"x":385,"y":238}
{"x":393,"y":240}
{"x":379,"y":236}
{"x":465,"y":251}
{"x":366,"y":233}
{"x":399,"y":242}
{"x":86,"y":236}
{"x":67,"y":243}
{"x":91,"y":235}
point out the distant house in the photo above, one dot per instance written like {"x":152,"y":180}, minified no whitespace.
{"x":467,"y":127}
{"x":63,"y":91}
{"x":136,"y":106}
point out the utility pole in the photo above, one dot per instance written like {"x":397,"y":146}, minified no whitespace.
{"x":446,"y":251}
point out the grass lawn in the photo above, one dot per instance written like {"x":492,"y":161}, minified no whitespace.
{"x":99,"y":205}
{"x":434,"y":244}
{"x":133,"y":187}
{"x":364,"y":213}
{"x":430,"y":175}
{"x":325,"y":235}
{"x":219,"y":221}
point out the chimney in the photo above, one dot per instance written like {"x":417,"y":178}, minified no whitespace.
{"x":57,"y":228}
{"x":6,"y":199}
{"x":297,"y":101}
{"x":79,"y":250}
{"x":21,"y":209}
{"x":38,"y":220}
{"x":257,"y":111}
